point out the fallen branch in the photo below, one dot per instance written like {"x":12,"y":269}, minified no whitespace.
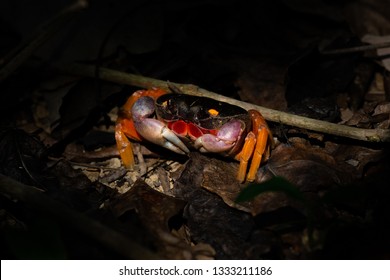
{"x":369,"y":135}
{"x":106,"y":236}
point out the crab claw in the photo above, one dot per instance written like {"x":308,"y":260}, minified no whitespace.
{"x":225,"y":139}
{"x":158,"y":133}
{"x":154,"y":130}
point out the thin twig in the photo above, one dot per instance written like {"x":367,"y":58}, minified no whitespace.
{"x":356,"y":49}
{"x":104,"y":235}
{"x":369,"y":135}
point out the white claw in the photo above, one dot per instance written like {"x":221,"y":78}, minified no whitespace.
{"x":156,"y":132}
{"x":173,"y":142}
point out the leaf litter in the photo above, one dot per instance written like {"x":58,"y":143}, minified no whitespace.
{"x":318,"y":196}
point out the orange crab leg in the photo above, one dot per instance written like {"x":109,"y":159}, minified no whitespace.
{"x":124,"y":146}
{"x":261,"y":144}
{"x":263,"y":141}
{"x":245,"y":155}
{"x":125,"y":127}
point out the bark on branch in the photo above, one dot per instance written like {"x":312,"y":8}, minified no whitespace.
{"x":369,"y":135}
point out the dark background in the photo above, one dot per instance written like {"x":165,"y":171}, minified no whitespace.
{"x":269,"y":53}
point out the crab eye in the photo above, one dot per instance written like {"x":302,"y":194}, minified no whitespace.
{"x":213,"y":112}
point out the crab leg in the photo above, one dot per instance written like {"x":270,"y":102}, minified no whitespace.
{"x":261,"y":144}
{"x":245,"y":155}
{"x":124,"y":146}
{"x":263,"y":141}
{"x":125,"y":127}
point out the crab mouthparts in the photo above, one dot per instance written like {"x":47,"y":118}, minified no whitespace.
{"x":185,"y":129}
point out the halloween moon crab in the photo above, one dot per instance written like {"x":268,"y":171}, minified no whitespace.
{"x":181,"y":122}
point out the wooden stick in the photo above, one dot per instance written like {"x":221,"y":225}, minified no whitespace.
{"x":369,"y":135}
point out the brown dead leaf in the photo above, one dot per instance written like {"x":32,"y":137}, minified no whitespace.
{"x":359,"y":119}
{"x":216,"y":171}
{"x":310,"y":168}
{"x":208,"y":218}
{"x":155,"y":210}
{"x":382,"y":108}
{"x":372,"y":114}
{"x":148,"y":202}
{"x":357,"y":156}
{"x":300,"y":149}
